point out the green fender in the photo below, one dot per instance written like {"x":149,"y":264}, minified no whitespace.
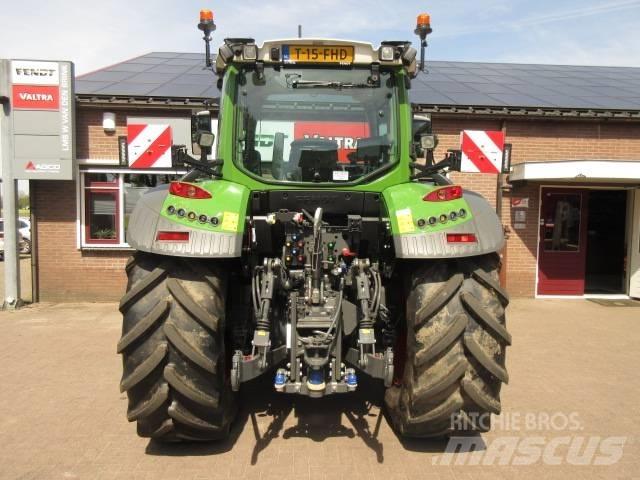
{"x":419,"y":227}
{"x":216,"y":225}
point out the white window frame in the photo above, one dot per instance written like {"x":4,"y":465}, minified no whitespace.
{"x":81,"y":231}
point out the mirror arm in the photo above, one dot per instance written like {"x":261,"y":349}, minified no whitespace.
{"x":451,"y":161}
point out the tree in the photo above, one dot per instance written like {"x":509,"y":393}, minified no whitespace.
{"x":23,"y":201}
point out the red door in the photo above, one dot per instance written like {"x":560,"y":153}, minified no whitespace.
{"x":563,"y":241}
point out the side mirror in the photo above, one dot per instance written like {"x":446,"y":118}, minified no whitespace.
{"x":200,"y":122}
{"x":420,"y":124}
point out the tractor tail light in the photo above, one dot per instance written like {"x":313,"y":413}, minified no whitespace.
{"x":172,"y":236}
{"x":461,"y":238}
{"x":187,"y":190}
{"x":451,"y":192}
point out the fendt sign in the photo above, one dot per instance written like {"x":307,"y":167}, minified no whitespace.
{"x":42,"y":107}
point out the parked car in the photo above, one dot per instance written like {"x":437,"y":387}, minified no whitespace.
{"x":21,"y":241}
{"x":24,"y":226}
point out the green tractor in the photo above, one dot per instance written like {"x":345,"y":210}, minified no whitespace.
{"x":315,"y":248}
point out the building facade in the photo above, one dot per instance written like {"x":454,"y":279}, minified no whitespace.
{"x":570,"y":206}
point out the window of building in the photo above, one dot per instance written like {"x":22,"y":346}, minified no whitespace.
{"x":107,"y":200}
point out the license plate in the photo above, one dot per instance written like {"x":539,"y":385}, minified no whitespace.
{"x":318,"y":54}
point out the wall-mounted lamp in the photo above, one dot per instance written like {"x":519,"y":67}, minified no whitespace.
{"x":109,"y":122}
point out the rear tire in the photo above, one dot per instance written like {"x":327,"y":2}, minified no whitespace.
{"x":456,"y":342}
{"x":175,"y":369}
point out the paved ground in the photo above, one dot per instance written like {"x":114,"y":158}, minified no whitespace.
{"x":572,"y":361}
{"x":25,"y":278}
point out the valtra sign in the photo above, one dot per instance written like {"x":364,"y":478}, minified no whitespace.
{"x":39,"y":97}
{"x":43,"y":119}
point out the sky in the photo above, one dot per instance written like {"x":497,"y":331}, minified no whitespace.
{"x":97,"y":34}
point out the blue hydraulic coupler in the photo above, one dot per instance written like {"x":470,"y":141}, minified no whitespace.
{"x":280,"y":380}
{"x":351,"y":379}
{"x":315,"y":381}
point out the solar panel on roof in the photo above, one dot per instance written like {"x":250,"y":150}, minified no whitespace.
{"x":517,"y":99}
{"x":185,"y":61}
{"x":148,"y":60}
{"x":582,"y":82}
{"x":182,"y":90}
{"x":211,"y":92}
{"x":128,"y":67}
{"x":476,"y":99}
{"x":127,"y":89}
{"x":432,"y":76}
{"x":164,"y":68}
{"x":571,"y":90}
{"x":163,"y":55}
{"x":429,"y":97}
{"x":491,"y":88}
{"x":564,"y":101}
{"x":450,"y":87}
{"x":194,"y":56}
{"x":172,"y":74}
{"x":90,"y":87}
{"x":148,"y":77}
{"x":190,"y":79}
{"x":108,"y":76}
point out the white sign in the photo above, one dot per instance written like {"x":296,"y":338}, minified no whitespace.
{"x":520,"y":202}
{"x":28,"y":72}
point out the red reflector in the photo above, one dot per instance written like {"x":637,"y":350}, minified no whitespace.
{"x":461,"y":238}
{"x":187,"y":190}
{"x":444,"y":194}
{"x":172,"y":236}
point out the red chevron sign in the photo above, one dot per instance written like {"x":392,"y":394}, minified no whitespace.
{"x":482,"y":151}
{"x":149,"y":146}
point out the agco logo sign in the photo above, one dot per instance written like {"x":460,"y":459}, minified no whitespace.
{"x":42,"y":167}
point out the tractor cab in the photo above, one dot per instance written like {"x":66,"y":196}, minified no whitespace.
{"x":314,"y":112}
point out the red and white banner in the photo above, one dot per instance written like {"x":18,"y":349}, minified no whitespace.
{"x":149,"y":146}
{"x":482,"y":151}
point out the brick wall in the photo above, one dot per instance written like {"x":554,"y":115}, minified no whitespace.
{"x":92,"y":140}
{"x":66,"y":273}
{"x":536,"y":140}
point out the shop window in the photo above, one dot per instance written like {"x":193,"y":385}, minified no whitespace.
{"x":101,"y":208}
{"x":109,"y":200}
